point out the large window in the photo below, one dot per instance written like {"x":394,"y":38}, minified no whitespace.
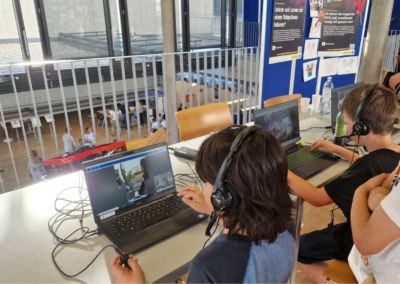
{"x":145,"y":26}
{"x":205,"y":23}
{"x":10,"y":46}
{"x":32,"y":30}
{"x":116,"y":28}
{"x":76,"y":28}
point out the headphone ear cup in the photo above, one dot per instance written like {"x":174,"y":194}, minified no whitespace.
{"x":235,"y":196}
{"x":221,"y":199}
{"x":366,"y":127}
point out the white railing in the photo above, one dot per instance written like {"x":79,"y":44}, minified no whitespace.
{"x":234,"y":79}
{"x":248,"y":34}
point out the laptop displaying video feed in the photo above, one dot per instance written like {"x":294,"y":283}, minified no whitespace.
{"x":133,"y":197}
{"x":283,"y":122}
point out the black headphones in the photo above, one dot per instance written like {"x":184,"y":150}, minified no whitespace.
{"x":224,"y":196}
{"x":361,"y":127}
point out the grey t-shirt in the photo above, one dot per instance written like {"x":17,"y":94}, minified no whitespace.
{"x":241,"y":261}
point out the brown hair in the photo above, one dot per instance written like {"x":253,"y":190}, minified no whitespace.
{"x":34,"y":153}
{"x":258,"y":173}
{"x":380,"y":109}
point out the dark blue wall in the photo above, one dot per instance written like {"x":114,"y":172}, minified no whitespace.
{"x":250,"y":11}
{"x":277,"y":76}
{"x":395,"y":24}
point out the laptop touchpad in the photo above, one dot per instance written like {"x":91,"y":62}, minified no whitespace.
{"x":163,"y":229}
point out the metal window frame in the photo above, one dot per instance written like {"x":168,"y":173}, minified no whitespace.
{"x":126,"y":36}
{"x":185,"y":25}
{"x":43,"y":31}
{"x":232,"y":23}
{"x":23,"y":40}
{"x":107,"y":18}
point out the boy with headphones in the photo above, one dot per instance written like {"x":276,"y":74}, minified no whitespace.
{"x":369,"y":113}
{"x":244,"y":170}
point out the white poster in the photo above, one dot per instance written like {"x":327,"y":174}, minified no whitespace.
{"x":328,"y":67}
{"x":48,"y":118}
{"x":348,"y":65}
{"x":34,"y":123}
{"x":309,"y":70}
{"x":310,"y":49}
{"x":315,"y":31}
{"x":15,"y":124}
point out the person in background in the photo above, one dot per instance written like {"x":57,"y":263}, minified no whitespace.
{"x":376,"y":250}
{"x":80,"y":142}
{"x":123,"y":111}
{"x":180,"y":108}
{"x":116,"y":115}
{"x":35,"y":166}
{"x":89,"y":136}
{"x":69,"y":143}
{"x":394,"y":81}
{"x":162,"y":124}
{"x":255,"y":245}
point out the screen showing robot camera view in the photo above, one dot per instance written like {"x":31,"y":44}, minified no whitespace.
{"x":121,"y":182}
{"x":282,"y":121}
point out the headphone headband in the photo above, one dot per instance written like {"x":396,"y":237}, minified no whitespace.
{"x":367,"y":94}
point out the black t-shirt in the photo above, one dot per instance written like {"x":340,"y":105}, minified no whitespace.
{"x":342,"y":189}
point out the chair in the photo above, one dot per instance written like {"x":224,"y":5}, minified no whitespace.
{"x":340,"y":272}
{"x":282,"y":99}
{"x":203,"y":120}
{"x":156,"y":138}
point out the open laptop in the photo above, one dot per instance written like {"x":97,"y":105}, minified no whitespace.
{"x":337,"y":97}
{"x":282,"y":120}
{"x":133,"y":197}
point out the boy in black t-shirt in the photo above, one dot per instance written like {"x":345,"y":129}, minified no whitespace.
{"x":336,"y":241}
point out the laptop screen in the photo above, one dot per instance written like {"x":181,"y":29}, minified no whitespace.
{"x":282,"y":120}
{"x":337,"y":98}
{"x":128,"y":179}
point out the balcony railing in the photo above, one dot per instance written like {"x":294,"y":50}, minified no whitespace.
{"x":230,"y":75}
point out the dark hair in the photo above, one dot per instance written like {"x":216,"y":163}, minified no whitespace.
{"x":34,"y":153}
{"x":80,"y":139}
{"x":87,"y":128}
{"x":380,"y":109}
{"x":258,"y":172}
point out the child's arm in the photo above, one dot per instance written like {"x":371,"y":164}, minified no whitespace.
{"x":366,"y":228}
{"x":313,"y":195}
{"x":376,"y":196}
{"x":321,"y":145}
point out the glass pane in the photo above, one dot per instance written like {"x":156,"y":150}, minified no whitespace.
{"x":76,"y":28}
{"x":116,"y":28}
{"x":10,"y":48}
{"x":32,"y":30}
{"x":240,"y":10}
{"x":205,"y":23}
{"x":145,"y":26}
{"x":178,"y":25}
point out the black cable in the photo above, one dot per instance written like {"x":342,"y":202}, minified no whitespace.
{"x":216,"y":227}
{"x":59,"y":269}
{"x":324,"y":127}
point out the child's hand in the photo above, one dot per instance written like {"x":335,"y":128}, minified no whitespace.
{"x":321,"y":145}
{"x":126,"y":275}
{"x":199,"y":202}
{"x":374,"y":182}
{"x":376,"y":196}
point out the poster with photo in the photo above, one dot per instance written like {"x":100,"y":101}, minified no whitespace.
{"x":340,"y":20}
{"x":287,"y":30}
{"x":315,"y":7}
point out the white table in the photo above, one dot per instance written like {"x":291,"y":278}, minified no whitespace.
{"x":26,"y":244}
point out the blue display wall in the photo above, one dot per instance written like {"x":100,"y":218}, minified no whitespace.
{"x":276,"y":77}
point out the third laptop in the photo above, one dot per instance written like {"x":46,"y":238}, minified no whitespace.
{"x":282,"y":120}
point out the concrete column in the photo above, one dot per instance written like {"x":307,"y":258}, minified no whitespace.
{"x":167,"y":14}
{"x":378,"y":28}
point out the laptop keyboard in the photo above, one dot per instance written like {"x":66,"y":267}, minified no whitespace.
{"x":302,"y":157}
{"x":146,"y":216}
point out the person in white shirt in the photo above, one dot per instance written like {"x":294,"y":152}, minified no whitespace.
{"x":89,"y":136}
{"x":69,"y":143}
{"x":116,"y":116}
{"x":162,"y":124}
{"x":376,"y":250}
